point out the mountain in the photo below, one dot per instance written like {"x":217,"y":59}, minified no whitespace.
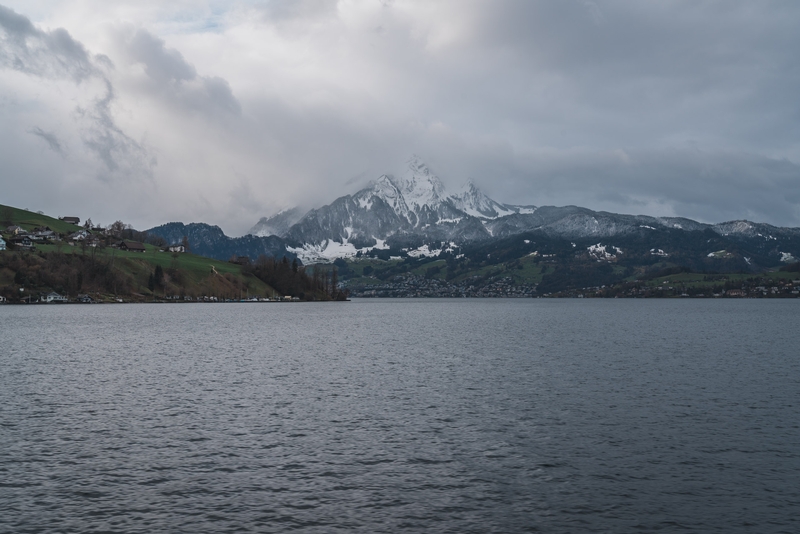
{"x":210,"y":241}
{"x":472,"y":201}
{"x":412,"y":214}
{"x":408,"y":209}
{"x":277,"y":224}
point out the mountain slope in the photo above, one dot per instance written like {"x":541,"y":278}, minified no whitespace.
{"x":277,"y":224}
{"x":210,"y":241}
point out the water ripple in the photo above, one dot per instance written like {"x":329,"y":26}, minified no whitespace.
{"x":418,"y":416}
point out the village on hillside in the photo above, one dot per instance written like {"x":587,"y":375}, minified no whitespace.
{"x":44,"y":260}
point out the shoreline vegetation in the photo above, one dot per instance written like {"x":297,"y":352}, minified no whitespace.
{"x":48,"y":260}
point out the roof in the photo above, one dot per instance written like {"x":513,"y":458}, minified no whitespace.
{"x":132,"y":245}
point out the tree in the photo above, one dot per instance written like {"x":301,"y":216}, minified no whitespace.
{"x":185,"y":244}
{"x":6,"y":217}
{"x":116,"y":228}
{"x":158,"y":276}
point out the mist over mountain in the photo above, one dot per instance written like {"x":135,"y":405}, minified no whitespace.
{"x":412,"y":213}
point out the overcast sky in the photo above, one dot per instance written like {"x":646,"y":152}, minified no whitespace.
{"x":226,"y":111}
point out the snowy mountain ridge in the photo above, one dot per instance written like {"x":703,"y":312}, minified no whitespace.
{"x":412,"y":213}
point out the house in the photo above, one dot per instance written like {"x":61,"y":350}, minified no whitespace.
{"x":2,"y":299}
{"x":85,"y":299}
{"x":43,"y":235}
{"x":21,"y":241}
{"x":80,"y":235}
{"x":2,"y":244}
{"x":176,"y":248}
{"x":14,"y":230}
{"x":52,"y":297}
{"x":735,"y":293}
{"x":70,"y":220}
{"x":131,"y":246}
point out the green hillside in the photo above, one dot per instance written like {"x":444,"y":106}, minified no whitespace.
{"x":99,"y":267}
{"x":107,"y":274}
{"x":29,"y":220}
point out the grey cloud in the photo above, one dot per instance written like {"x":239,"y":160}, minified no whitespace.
{"x":121,"y":154}
{"x":174,"y":78}
{"x":56,"y":55}
{"x":710,"y":186}
{"x":218,"y":91}
{"x":50,"y":138}
{"x":162,"y":64}
{"x":668,"y":107}
{"x":53,"y":54}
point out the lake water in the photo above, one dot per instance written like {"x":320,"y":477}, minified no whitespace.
{"x":402,"y":415}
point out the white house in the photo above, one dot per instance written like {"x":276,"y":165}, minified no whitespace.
{"x":52,"y":297}
{"x":2,"y":244}
{"x":177,"y":248}
{"x":80,"y":235}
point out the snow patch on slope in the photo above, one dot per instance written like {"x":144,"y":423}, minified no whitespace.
{"x":604,"y":252}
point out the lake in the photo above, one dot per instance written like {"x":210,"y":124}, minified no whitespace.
{"x":408,"y":415}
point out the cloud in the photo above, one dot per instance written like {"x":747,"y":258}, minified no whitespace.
{"x":173,"y":78}
{"x":710,"y":186}
{"x":56,"y":55}
{"x":663,"y":107}
{"x":121,"y":155}
{"x":50,"y":138}
{"x":53,"y":54}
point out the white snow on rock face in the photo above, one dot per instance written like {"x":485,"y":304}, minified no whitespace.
{"x":329,"y":250}
{"x":419,"y":186}
{"x":604,"y":252}
{"x":427,"y":252}
{"x":325,"y":252}
{"x":786,"y":257}
{"x":472,"y":201}
{"x":424,"y":251}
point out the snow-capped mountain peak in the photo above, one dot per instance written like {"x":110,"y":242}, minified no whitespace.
{"x":419,"y":186}
{"x":474,"y":202}
{"x":385,"y":189}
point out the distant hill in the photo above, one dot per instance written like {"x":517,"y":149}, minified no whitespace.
{"x":211,"y":241}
